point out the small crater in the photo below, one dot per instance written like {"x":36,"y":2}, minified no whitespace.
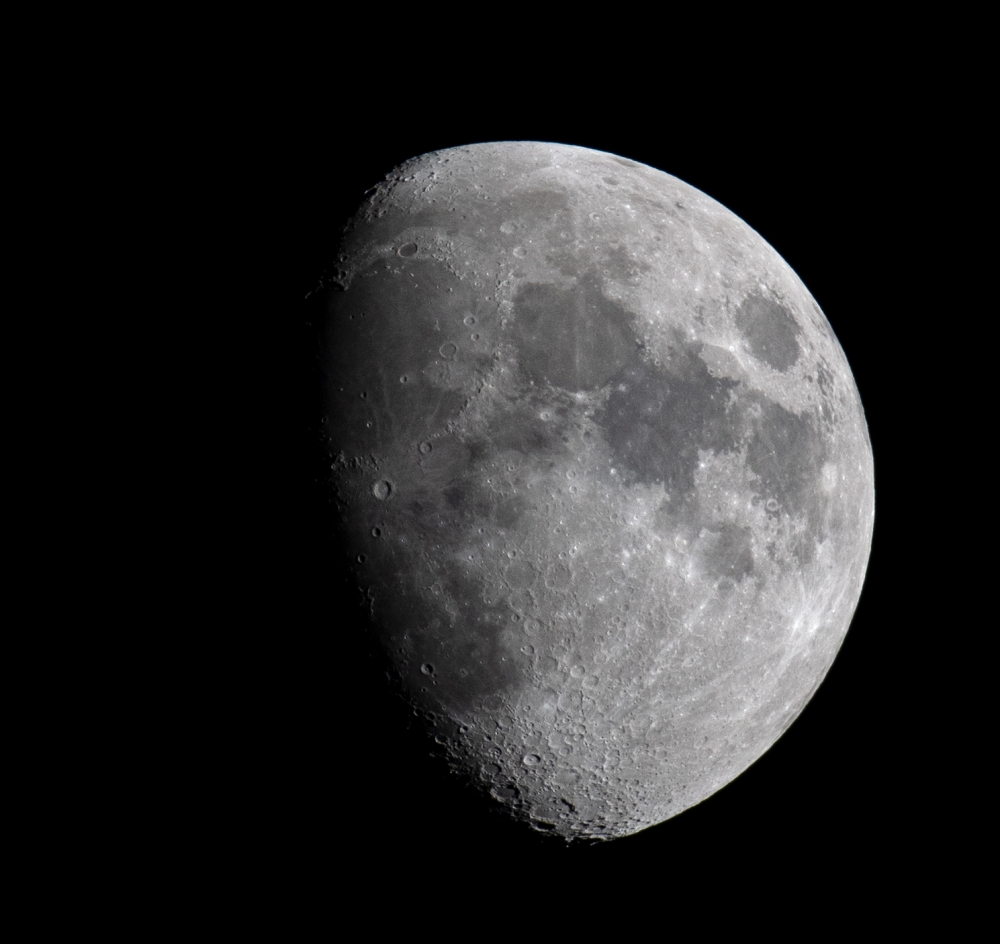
{"x":424,"y":448}
{"x":448,"y":350}
{"x":427,"y":668}
{"x":382,"y":489}
{"x":410,"y":249}
{"x":376,"y":532}
{"x":531,"y":760}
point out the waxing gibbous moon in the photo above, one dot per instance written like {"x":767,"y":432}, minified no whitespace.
{"x":602,"y":477}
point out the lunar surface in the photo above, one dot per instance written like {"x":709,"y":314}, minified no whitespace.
{"x":602,"y":476}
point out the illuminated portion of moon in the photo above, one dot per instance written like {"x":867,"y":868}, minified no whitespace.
{"x":603,"y":476}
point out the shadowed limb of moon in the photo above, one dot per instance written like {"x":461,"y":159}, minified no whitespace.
{"x":602,"y":475}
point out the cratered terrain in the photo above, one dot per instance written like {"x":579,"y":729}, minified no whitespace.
{"x":601,"y":472}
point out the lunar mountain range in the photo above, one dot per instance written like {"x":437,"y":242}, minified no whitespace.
{"x":602,"y":477}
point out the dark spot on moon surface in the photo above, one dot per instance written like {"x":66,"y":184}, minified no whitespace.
{"x":803,"y":546}
{"x":726,"y":550}
{"x":521,"y":428}
{"x":657,"y":418}
{"x":447,"y":460}
{"x":785,"y":451}
{"x":459,"y":494}
{"x":507,"y":512}
{"x":410,"y":249}
{"x":571,"y":338}
{"x":825,"y":380}
{"x":622,"y":266}
{"x":770,"y":331}
{"x":506,"y":793}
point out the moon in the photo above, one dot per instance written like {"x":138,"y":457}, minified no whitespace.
{"x":602,"y":477}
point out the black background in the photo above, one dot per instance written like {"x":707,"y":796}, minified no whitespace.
{"x":847,"y":793}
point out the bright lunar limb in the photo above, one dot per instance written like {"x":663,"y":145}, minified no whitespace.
{"x":602,"y":474}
